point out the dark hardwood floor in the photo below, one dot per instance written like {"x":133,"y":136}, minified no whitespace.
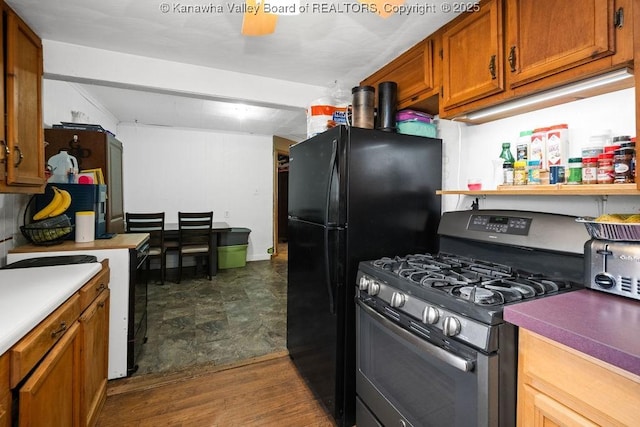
{"x":265,"y":391}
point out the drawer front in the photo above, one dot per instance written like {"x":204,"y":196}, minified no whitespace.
{"x":30,"y":349}
{"x":94,"y":287}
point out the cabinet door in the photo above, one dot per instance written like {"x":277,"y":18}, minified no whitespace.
{"x":24,"y":130}
{"x":94,"y":357}
{"x":115,"y":211}
{"x":473,"y":57}
{"x":50,"y":396}
{"x":413,"y":71}
{"x":548,"y":36}
{"x":541,"y":410}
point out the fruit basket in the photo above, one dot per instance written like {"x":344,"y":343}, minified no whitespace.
{"x":615,"y":231}
{"x":46,"y":232}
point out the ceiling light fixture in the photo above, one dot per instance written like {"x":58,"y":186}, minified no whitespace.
{"x":261,"y":16}
{"x":615,"y":80}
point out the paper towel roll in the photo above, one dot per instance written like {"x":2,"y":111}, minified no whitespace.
{"x":85,"y":226}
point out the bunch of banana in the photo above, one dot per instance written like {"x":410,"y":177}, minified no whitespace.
{"x":57,"y":206}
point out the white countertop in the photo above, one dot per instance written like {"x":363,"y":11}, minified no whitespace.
{"x":29,"y":295}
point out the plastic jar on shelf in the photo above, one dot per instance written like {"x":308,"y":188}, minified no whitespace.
{"x":606,"y":173}
{"x":589,"y":170}
{"x":520,"y":172}
{"x":533,"y":169}
{"x":574,"y":172}
{"x":508,"y":172}
{"x":622,"y":159}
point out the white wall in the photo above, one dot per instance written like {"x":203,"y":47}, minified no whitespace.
{"x":61,"y":98}
{"x":169,"y":169}
{"x":469,"y":150}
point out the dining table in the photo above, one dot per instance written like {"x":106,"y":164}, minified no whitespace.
{"x":171,"y":234}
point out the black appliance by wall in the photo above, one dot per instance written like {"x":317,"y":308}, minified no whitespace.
{"x":354,"y":194}
{"x":84,"y":197}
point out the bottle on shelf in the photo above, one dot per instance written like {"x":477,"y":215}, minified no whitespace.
{"x":506,"y":153}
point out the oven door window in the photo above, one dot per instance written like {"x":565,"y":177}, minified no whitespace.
{"x":424,"y":388}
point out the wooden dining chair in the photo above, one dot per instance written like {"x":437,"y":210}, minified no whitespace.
{"x":194,"y":238}
{"x":152,"y":223}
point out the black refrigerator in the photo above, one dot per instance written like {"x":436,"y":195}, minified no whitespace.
{"x":354,"y":195}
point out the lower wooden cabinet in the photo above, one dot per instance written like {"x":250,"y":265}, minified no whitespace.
{"x":94,"y":358}
{"x":559,"y":386}
{"x":50,"y":394}
{"x":58,"y":371}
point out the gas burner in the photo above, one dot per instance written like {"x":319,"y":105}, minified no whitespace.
{"x":477,"y":295}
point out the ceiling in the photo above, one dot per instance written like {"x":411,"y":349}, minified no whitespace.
{"x":333,"y":41}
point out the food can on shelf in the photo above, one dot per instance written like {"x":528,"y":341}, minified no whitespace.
{"x":533,"y":176}
{"x":520,"y":172}
{"x":606,"y":173}
{"x":589,"y":170}
{"x":574,"y":174}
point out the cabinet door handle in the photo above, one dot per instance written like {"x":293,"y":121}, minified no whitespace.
{"x":512,"y":59}
{"x":492,"y":67}
{"x":60,"y":330}
{"x":20,"y":156}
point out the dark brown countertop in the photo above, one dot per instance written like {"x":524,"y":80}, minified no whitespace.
{"x":598,"y":324}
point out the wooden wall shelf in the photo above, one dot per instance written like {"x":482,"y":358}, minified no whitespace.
{"x":552,"y":190}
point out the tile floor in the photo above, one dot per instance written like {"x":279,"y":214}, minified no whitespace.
{"x":239,"y":314}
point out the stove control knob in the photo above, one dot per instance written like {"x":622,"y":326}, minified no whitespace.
{"x":373,"y":288}
{"x":397,"y":300}
{"x":363,"y":285}
{"x":430,"y":315}
{"x":450,"y":326}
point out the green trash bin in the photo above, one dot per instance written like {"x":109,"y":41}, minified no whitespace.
{"x":232,"y":256}
{"x":232,"y":248}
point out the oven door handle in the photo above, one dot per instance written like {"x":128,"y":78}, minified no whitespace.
{"x":443,"y":355}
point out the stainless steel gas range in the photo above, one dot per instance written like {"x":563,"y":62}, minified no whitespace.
{"x":432,"y":346}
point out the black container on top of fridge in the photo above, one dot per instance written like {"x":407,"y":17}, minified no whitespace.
{"x":354,"y":194}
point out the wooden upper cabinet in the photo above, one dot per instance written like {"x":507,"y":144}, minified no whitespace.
{"x":473,"y":56}
{"x":548,"y":36}
{"x":23,"y":142}
{"x":413,"y":71}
